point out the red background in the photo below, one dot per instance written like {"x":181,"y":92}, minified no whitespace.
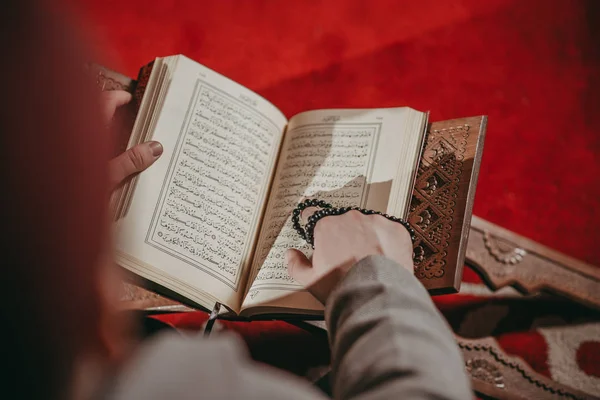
{"x":532,"y":66}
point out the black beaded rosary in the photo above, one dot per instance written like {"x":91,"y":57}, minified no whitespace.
{"x":326,"y":209}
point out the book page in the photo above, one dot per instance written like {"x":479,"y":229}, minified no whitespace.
{"x":193,"y":219}
{"x":364,"y":158}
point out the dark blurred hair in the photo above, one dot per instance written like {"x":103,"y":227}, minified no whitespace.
{"x":52,"y":207}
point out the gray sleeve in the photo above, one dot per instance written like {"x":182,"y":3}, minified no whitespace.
{"x":388,"y":340}
{"x":177,"y":368}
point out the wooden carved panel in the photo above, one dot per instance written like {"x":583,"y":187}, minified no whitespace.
{"x":107,"y":79}
{"x":135,"y":297}
{"x":505,"y":258}
{"x":442,"y":201}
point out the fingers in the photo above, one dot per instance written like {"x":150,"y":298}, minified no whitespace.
{"x":391,"y":230}
{"x":111,"y":100}
{"x":396,"y":241}
{"x":134,"y":160}
{"x":299,"y":267}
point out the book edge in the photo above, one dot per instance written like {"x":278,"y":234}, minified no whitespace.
{"x":468,"y":213}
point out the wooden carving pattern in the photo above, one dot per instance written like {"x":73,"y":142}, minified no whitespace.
{"x":108,"y":83}
{"x":440,"y":205}
{"x":107,"y":79}
{"x":495,"y":373}
{"x":434,"y":198}
{"x":501,"y":251}
{"x":482,"y":369}
{"x":505,"y":258}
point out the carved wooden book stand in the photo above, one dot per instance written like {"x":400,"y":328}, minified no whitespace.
{"x":505,"y":258}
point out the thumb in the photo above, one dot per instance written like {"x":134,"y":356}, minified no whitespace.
{"x":298,"y":266}
{"x":134,"y":160}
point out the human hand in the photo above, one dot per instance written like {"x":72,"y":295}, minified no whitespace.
{"x":135,"y":159}
{"x":343,"y":240}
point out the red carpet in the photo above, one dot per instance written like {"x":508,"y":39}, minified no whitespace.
{"x":532,"y":66}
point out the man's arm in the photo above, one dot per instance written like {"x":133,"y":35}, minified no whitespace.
{"x":177,"y":367}
{"x":388,"y":340}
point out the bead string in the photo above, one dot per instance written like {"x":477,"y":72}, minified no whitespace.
{"x":307,"y":233}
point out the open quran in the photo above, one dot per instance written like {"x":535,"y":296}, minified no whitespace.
{"x":210,"y":221}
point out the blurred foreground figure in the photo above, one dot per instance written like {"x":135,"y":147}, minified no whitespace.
{"x":61,"y":334}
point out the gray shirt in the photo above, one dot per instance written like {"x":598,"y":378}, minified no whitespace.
{"x":388,"y":341}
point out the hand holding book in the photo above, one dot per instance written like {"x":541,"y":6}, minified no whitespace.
{"x":135,"y":159}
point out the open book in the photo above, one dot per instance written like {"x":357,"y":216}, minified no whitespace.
{"x":210,"y":221}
